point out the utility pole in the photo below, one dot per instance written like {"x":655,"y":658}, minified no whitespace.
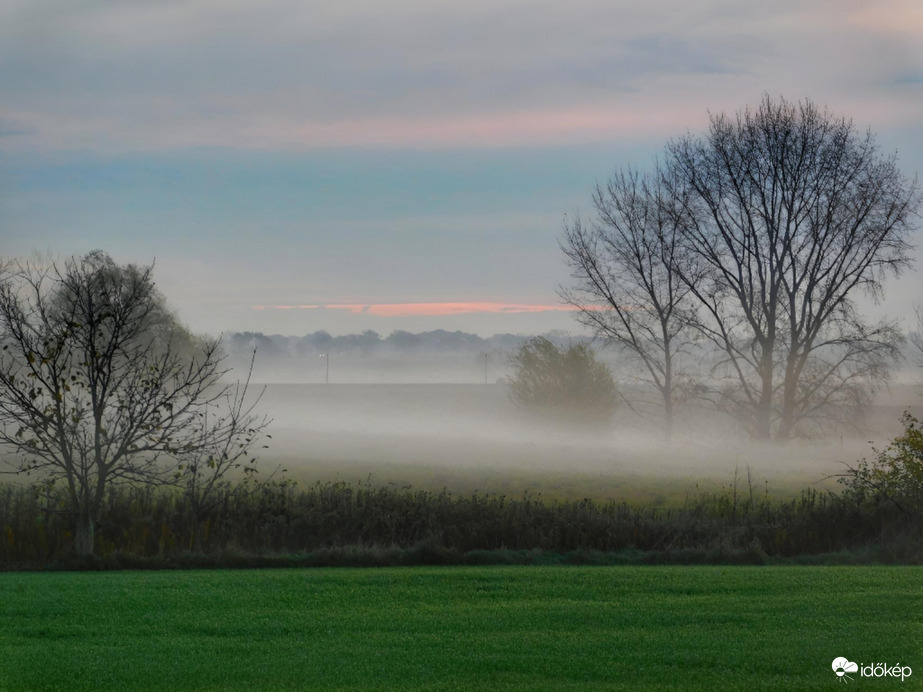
{"x":486,"y":356}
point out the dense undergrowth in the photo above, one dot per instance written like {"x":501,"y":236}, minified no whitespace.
{"x":338,"y":523}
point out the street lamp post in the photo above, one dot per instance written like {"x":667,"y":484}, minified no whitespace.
{"x":326,"y":357}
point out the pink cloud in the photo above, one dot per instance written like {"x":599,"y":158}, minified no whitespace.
{"x":260,"y":130}
{"x":426,"y":309}
{"x":574,"y":124}
{"x":439,"y":309}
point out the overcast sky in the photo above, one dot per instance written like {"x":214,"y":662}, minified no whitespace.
{"x":350,"y":165}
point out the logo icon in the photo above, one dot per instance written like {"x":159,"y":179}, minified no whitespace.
{"x":841,"y":666}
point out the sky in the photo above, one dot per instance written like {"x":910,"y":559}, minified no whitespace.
{"x":346,"y":165}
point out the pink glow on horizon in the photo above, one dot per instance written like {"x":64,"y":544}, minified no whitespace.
{"x":516,"y":127}
{"x":283,"y":131}
{"x":260,"y":130}
{"x":443,"y":309}
{"x":427,"y":309}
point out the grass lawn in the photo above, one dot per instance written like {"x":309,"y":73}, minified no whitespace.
{"x":577,"y":628}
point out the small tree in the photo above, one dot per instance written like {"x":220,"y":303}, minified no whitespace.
{"x":569,"y":384}
{"x":100,"y":385}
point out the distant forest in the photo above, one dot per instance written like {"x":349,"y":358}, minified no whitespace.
{"x":401,"y":357}
{"x":432,"y":356}
{"x":371,"y":343}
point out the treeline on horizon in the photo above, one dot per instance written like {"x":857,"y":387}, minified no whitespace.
{"x":270,"y":347}
{"x":369,"y":342}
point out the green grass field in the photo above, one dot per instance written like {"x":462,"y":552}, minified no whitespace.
{"x":576,"y":628}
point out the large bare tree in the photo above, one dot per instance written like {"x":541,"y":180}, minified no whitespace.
{"x":790,"y":212}
{"x":625,"y":286}
{"x":100,"y":385}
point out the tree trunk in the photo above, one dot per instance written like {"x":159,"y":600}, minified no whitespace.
{"x":667,"y":390}
{"x":763,"y":427}
{"x":787,"y":422}
{"x":667,"y":411}
{"x":84,"y":539}
{"x":789,"y":390}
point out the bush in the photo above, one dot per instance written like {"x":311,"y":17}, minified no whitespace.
{"x":894,"y":479}
{"x":567,"y":385}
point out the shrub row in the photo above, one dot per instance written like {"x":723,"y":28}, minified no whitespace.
{"x":331,"y":521}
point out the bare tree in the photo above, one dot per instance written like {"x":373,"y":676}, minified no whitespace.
{"x":789,"y":212}
{"x":626,"y":287}
{"x":99,"y":384}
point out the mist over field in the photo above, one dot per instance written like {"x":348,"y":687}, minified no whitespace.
{"x":429,"y":421}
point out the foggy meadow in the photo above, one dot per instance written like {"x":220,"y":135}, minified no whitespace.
{"x":735,"y":374}
{"x":440,"y":414}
